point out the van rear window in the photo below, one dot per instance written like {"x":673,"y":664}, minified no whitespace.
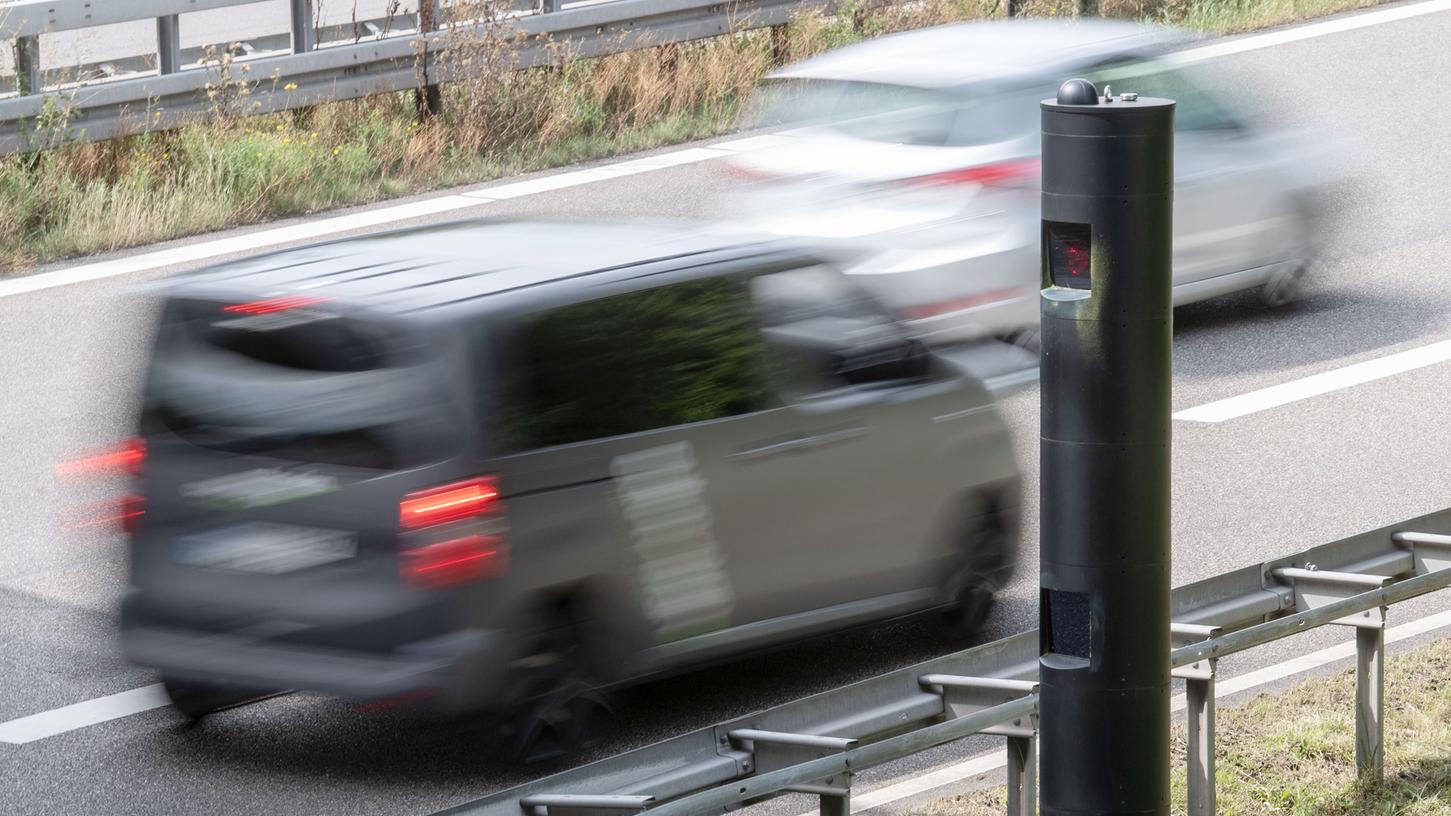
{"x":306,"y":385}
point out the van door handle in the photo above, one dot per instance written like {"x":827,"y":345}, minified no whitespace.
{"x":832,"y":437}
{"x":772,"y":449}
{"x":800,"y":443}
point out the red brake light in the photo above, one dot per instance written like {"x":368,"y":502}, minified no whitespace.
{"x":128,"y":457}
{"x":131,"y":510}
{"x":277,"y":304}
{"x":457,"y":561}
{"x":450,"y":502}
{"x":742,"y":172}
{"x":960,"y":304}
{"x":998,"y":174}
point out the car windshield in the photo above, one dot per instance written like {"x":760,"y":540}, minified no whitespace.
{"x":894,"y":114}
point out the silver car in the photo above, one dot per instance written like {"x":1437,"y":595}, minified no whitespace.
{"x":921,"y":150}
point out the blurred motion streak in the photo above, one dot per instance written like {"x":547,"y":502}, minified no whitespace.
{"x":921,"y":151}
{"x":123,"y":458}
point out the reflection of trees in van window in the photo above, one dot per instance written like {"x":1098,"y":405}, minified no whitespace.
{"x":652,"y":359}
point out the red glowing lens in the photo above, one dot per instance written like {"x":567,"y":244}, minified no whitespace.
{"x":450,"y":502}
{"x":127,"y":457}
{"x":449,"y":563}
{"x":999,"y":174}
{"x":277,"y":304}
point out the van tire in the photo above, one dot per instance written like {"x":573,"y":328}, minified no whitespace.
{"x":560,"y":708}
{"x":983,"y":547}
{"x":196,"y":699}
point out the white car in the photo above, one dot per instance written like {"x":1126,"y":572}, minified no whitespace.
{"x":921,"y":150}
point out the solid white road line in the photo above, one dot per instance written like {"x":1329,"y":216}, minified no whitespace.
{"x":1317,"y":384}
{"x":996,"y":760}
{"x":91,"y":712}
{"x":321,"y":228}
{"x":1307,"y":31}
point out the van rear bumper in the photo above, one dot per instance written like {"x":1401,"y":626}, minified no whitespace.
{"x":446,"y":665}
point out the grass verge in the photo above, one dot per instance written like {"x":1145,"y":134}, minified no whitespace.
{"x":1293,"y":754}
{"x":88,"y":198}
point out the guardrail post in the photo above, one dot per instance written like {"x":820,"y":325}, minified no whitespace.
{"x":304,"y":36}
{"x":27,"y":65}
{"x":838,"y":804}
{"x":780,"y":45}
{"x":1199,"y":691}
{"x":548,"y":6}
{"x":428,"y":98}
{"x":1022,"y":776}
{"x":1106,"y":374}
{"x":1370,"y":649}
{"x":168,"y":44}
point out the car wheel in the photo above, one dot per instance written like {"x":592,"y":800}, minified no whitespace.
{"x":1029,"y":339}
{"x":983,"y":548}
{"x":196,"y":699}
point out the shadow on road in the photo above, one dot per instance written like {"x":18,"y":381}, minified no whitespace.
{"x":319,"y":737}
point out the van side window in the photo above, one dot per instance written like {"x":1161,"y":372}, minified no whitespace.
{"x":808,"y":316}
{"x":678,"y":354}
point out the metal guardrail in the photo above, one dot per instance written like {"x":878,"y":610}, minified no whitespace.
{"x":815,"y":744}
{"x":37,"y":120}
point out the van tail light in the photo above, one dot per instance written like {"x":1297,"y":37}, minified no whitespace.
{"x":452,"y":534}
{"x":125,"y":460}
{"x":453,"y":562}
{"x":130,"y":511}
{"x":451,"y":502}
{"x":1014,"y":173}
{"x":122,"y":459}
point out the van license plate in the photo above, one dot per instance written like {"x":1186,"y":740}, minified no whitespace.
{"x":262,"y":547}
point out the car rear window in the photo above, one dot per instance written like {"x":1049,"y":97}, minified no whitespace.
{"x":305,"y":384}
{"x":896,"y":114}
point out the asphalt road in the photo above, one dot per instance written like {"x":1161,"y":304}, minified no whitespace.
{"x":1245,"y":490}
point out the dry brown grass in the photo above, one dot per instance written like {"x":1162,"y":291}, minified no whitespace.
{"x":1294,"y":753}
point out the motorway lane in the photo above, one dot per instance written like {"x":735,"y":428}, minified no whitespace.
{"x":1247,"y":489}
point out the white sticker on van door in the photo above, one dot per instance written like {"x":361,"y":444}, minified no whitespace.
{"x":680,"y":566}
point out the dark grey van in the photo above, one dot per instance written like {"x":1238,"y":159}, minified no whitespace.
{"x":493,"y":461}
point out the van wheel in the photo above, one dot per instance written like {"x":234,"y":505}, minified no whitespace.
{"x":983,"y":548}
{"x":567,"y":720}
{"x":196,"y":699}
{"x":561,"y":710}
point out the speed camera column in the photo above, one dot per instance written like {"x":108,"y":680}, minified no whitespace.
{"x":1106,"y":364}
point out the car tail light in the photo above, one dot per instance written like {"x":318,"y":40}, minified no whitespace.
{"x":452,"y":562}
{"x":742,"y":172}
{"x":927,"y":310}
{"x":449,"y":502}
{"x":1015,"y":173}
{"x":452,"y":534}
